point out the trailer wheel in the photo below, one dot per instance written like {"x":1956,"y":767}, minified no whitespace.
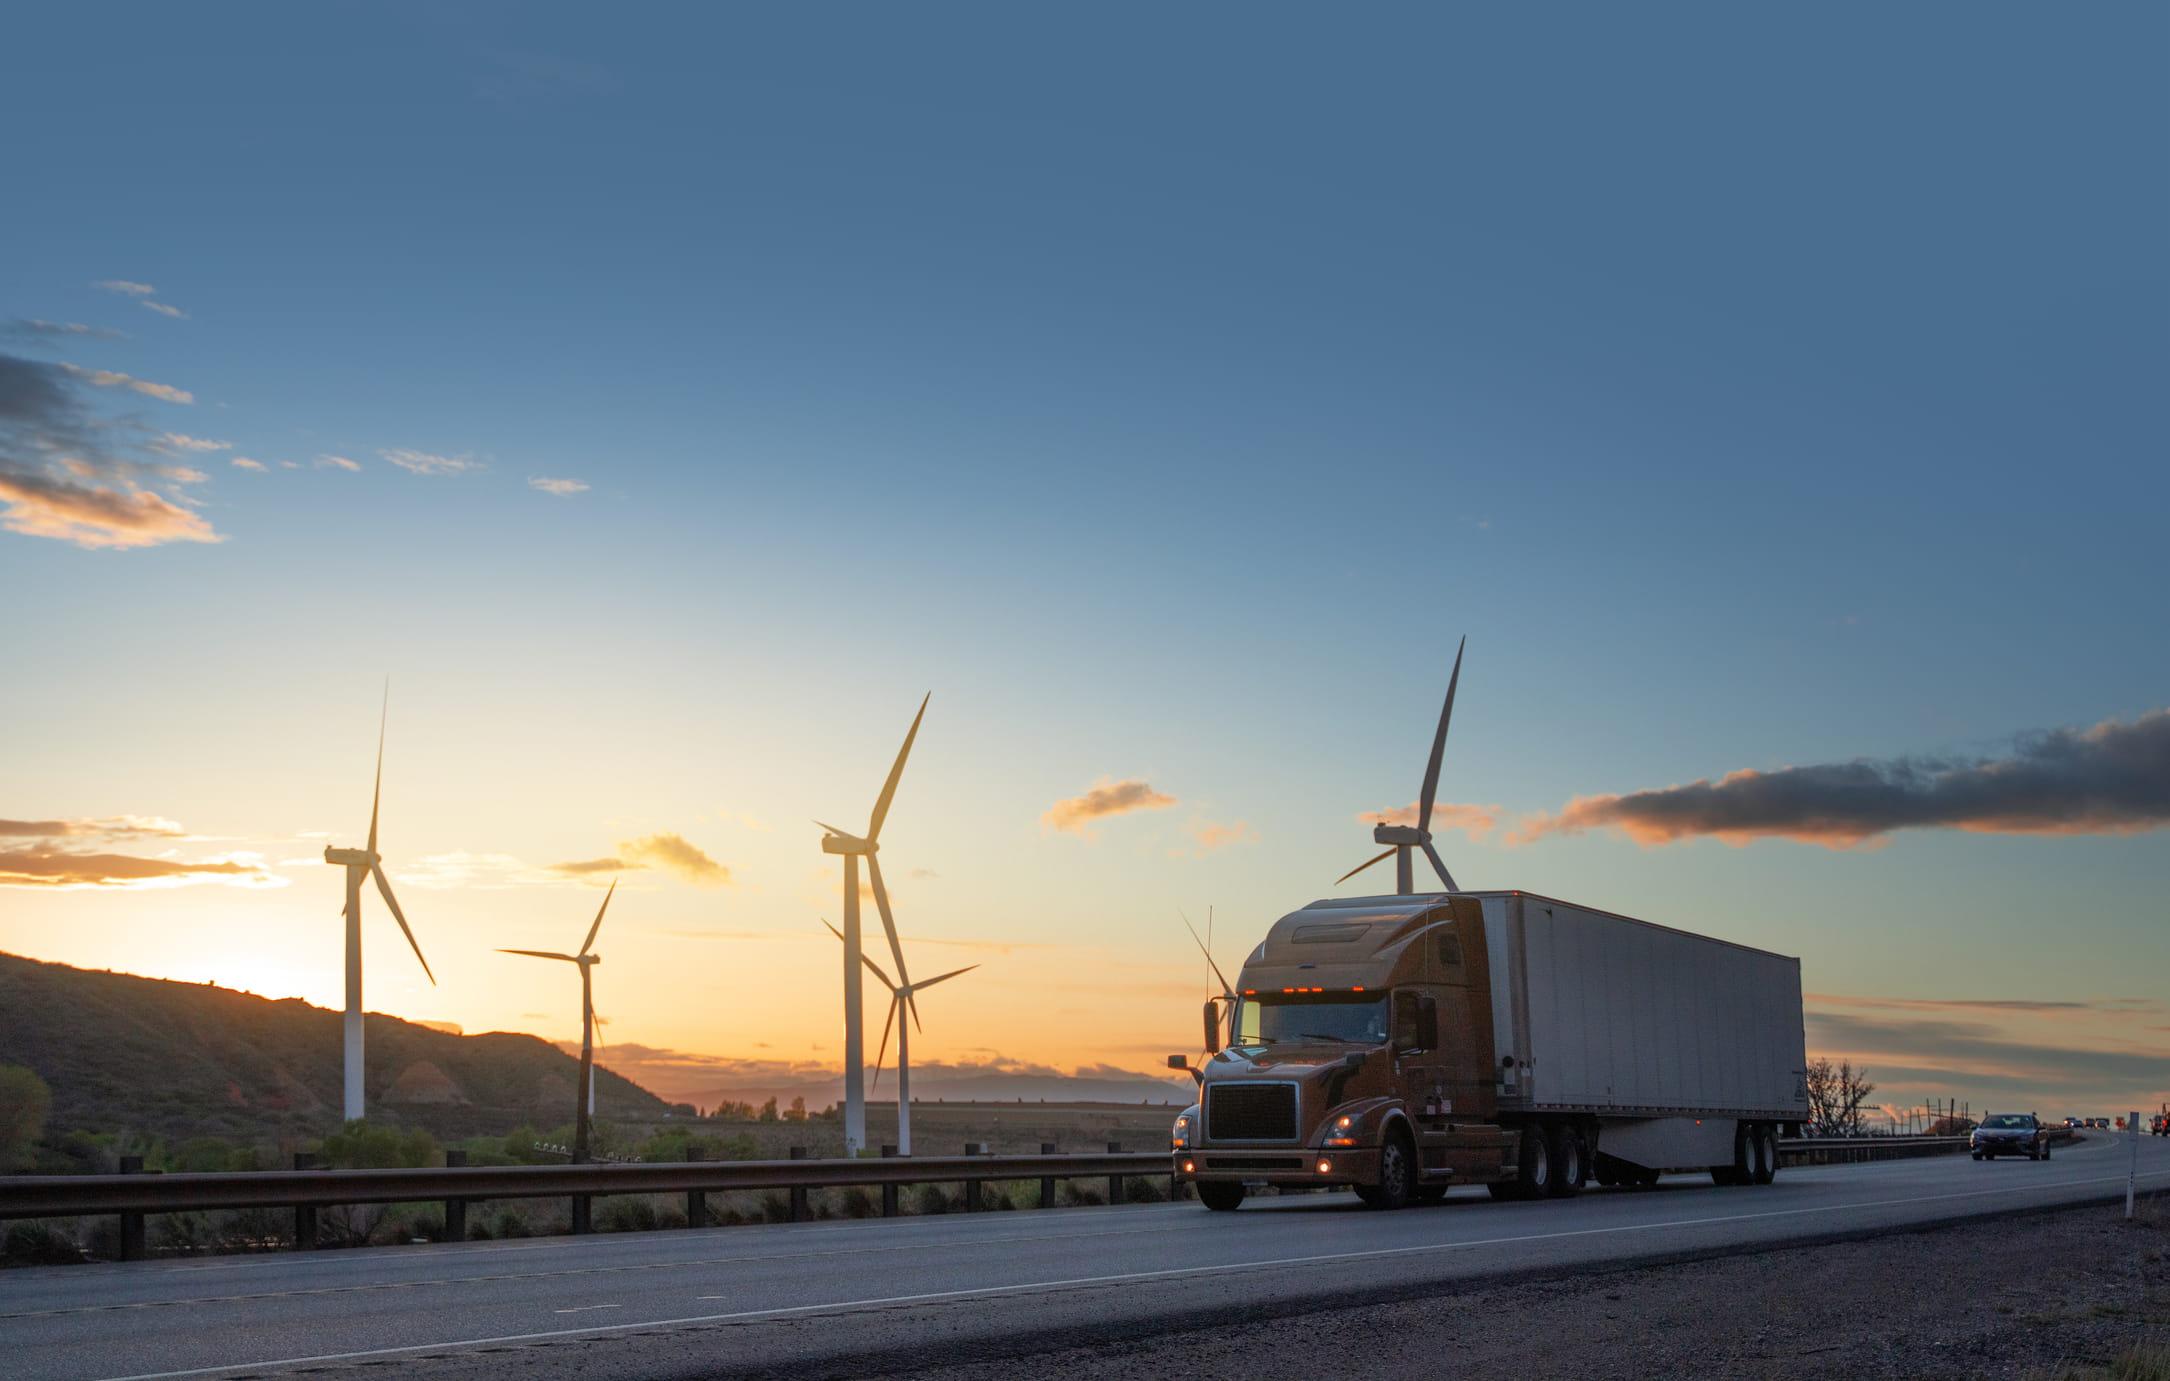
{"x":1534,"y":1160}
{"x":1219,"y":1195}
{"x":1766,"y":1146}
{"x":1742,"y":1170}
{"x":1570,"y":1161}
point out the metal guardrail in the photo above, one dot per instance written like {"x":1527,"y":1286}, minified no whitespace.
{"x":1842,"y":1150}
{"x":305,"y":1190}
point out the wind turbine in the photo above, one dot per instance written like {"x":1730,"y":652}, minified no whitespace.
{"x":853,"y":848}
{"x":1400,"y":839}
{"x":360,"y":864}
{"x":1205,"y":947}
{"x":585,"y":1109}
{"x":900,"y":994}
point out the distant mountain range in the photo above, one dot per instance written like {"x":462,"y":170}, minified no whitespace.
{"x":175,"y":1060}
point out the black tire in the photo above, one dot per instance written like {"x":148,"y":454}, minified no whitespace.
{"x":1646,"y":1178}
{"x":1504,"y":1189}
{"x":1766,"y":1157}
{"x":1397,"y":1175}
{"x":1534,"y":1160}
{"x":1428,"y":1194}
{"x":2045,"y":1150}
{"x":1219,"y":1195}
{"x":1977,"y":1155}
{"x":1570,"y":1161}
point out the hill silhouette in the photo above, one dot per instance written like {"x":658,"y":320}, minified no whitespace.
{"x":147,"y":1055}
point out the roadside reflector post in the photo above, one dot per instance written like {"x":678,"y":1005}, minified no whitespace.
{"x":304,"y":1214}
{"x":798,"y":1191}
{"x":2132,"y":1166}
{"x":1115,"y":1182}
{"x":455,"y":1209}
{"x":972,"y":1187}
{"x":889,"y":1191}
{"x":696,"y":1199}
{"x":131,"y":1223}
{"x":1047,"y":1184}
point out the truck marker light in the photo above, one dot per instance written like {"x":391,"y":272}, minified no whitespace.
{"x":1326,"y":1167}
{"x":1357,"y":989}
{"x":1189,"y":1166}
{"x":1288,"y":990}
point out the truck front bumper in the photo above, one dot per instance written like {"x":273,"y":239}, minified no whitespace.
{"x":1338,"y":1165}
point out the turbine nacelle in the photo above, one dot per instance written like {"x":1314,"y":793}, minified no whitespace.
{"x":352,"y":858}
{"x":1400,"y":834}
{"x":838,"y":842}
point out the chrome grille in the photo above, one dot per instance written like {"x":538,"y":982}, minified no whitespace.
{"x":1250,"y":1112}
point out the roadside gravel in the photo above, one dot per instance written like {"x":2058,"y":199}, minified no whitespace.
{"x":2016,"y":1297}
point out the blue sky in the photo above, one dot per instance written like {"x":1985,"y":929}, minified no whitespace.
{"x":1167,"y":392}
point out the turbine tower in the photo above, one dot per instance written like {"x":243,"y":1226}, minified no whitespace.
{"x":853,"y":848}
{"x":900,"y":995}
{"x":1205,"y":947}
{"x":360,"y":864}
{"x":584,"y":1110}
{"x":1401,"y":839}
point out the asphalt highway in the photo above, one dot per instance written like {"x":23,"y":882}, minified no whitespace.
{"x":879,"y":1297}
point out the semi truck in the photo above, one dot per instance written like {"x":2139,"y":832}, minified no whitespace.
{"x":1403,"y":1045}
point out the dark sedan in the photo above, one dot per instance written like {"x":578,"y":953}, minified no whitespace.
{"x":2010,"y":1134}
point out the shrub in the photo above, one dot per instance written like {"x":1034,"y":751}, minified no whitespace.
{"x":37,"y":1242}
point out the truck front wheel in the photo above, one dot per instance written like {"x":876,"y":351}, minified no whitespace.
{"x":1219,"y":1195}
{"x":1397,"y":1175}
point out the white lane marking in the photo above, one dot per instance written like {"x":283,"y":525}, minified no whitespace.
{"x":1218,"y":1268}
{"x":59,"y":1311}
{"x":584,"y":1308}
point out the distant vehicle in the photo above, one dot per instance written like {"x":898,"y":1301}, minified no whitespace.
{"x":2075,"y":1122}
{"x":1402,"y":1045}
{"x":2160,"y":1126}
{"x":2098,"y":1121}
{"x":2010,"y":1134}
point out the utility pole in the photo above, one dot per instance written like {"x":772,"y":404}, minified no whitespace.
{"x":2132,"y":1166}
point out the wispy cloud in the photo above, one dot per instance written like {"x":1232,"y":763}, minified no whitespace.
{"x":561,"y":488}
{"x":58,"y":854}
{"x":1211,"y":836}
{"x":588,"y":867}
{"x":245,"y":463}
{"x":175,"y":441}
{"x":2111,"y":779}
{"x":107,"y":378}
{"x":423,"y":463}
{"x":1475,"y":821}
{"x":673,"y":853}
{"x":61,"y":475}
{"x":124,"y":288}
{"x":1106,"y":798}
{"x":30,"y":328}
{"x":163,"y":309}
{"x":336,"y":463}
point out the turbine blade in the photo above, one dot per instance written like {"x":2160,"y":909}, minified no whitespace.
{"x":1366,"y":864}
{"x":930,"y":982}
{"x":540,"y":954}
{"x":889,"y":924}
{"x":833,"y":830}
{"x":863,"y":958}
{"x":1439,"y":744}
{"x":883,"y":1053}
{"x":1440,"y":866}
{"x":1227,"y":989}
{"x":376,"y":795}
{"x":586,"y":944}
{"x":889,"y":788}
{"x":384,"y":887}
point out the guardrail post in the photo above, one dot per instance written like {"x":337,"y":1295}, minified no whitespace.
{"x":696,"y":1199}
{"x":889,"y":1191}
{"x":305,"y":1214}
{"x":583,"y":1214}
{"x":455,"y":1209}
{"x":972,"y":1187}
{"x":798,"y":1191}
{"x":131,"y":1223}
{"x":1047,"y":1183}
{"x":1115,"y":1182}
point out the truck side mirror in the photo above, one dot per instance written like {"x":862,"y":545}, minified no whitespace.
{"x":1213,"y":1026}
{"x":1179,"y":1062}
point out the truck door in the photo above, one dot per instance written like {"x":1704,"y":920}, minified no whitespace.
{"x":1459,"y":973}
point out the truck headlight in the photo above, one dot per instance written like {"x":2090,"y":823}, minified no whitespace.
{"x":1343,"y":1132}
{"x":1179,"y":1137}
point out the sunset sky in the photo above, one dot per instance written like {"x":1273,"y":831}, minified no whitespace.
{"x":665,"y":400}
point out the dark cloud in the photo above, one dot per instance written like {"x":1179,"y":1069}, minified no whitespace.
{"x":2111,"y":779}
{"x":57,"y":868}
{"x":1106,"y":798}
{"x":61,"y":473}
{"x":1982,"y":1056}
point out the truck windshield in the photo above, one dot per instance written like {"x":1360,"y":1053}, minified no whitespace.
{"x":1352,"y":1018}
